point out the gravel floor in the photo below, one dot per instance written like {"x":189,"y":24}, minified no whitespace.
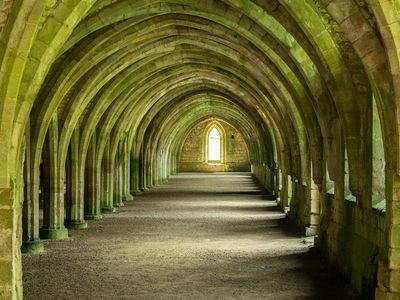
{"x":199,"y":236}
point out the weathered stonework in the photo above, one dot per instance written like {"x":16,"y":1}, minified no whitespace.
{"x":97,"y":98}
{"x":193,"y":156}
{"x":5,"y":9}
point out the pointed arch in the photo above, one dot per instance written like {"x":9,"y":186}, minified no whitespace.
{"x":214,"y":145}
{"x":216,"y":131}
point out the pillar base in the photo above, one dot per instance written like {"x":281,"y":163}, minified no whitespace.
{"x":119,"y":204}
{"x":32,"y":247}
{"x":76,"y":225}
{"x":128,"y":197}
{"x":136,"y":193}
{"x":93,"y":217}
{"x":311,"y":231}
{"x":145,"y":189}
{"x":54,"y":233}
{"x":108,"y":210}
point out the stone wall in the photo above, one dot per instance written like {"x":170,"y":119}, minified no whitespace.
{"x":234,"y":156}
{"x":353,"y":238}
{"x":5,"y":9}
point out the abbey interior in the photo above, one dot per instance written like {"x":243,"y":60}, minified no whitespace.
{"x":105,"y":102}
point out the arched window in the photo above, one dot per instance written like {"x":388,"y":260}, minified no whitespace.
{"x":214,"y":145}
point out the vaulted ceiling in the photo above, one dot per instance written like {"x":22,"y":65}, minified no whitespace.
{"x":292,"y":71}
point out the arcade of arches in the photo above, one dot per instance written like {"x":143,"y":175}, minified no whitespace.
{"x":99,"y":96}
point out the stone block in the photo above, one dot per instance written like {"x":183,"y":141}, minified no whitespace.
{"x":394,"y":285}
{"x":311,"y":231}
{"x":394,"y":238}
{"x":76,"y":225}
{"x":5,"y":289}
{"x":54,"y":233}
{"x":386,"y":295}
{"x":5,"y":271}
{"x":108,"y":210}
{"x":394,"y":258}
{"x":383,"y":275}
{"x":314,"y":219}
{"x":128,"y":197}
{"x":93,"y":217}
{"x":32,"y":247}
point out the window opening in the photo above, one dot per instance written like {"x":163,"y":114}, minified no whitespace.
{"x":330,"y":184}
{"x":378,"y":162}
{"x":347,"y":193}
{"x":214,"y":145}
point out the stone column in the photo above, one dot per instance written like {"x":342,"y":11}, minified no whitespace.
{"x":31,"y":242}
{"x":92,"y":184}
{"x":290,"y":193}
{"x":127,"y":172}
{"x":143,"y":170}
{"x":276,"y":181}
{"x":283,"y":193}
{"x":288,"y":190}
{"x":314,"y":209}
{"x":135,"y":173}
{"x":272,"y":177}
{"x":279,"y":187}
{"x":118,"y":176}
{"x":165,"y":169}
{"x":75,"y":183}
{"x":293,"y":198}
{"x":159,"y":175}
{"x":107,"y":204}
{"x":389,"y":268}
{"x":154,"y":171}
{"x":53,"y":219}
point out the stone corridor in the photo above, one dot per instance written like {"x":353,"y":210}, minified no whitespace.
{"x":199,"y":236}
{"x":104,"y":102}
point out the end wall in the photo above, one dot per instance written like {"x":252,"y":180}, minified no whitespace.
{"x":193,"y":156}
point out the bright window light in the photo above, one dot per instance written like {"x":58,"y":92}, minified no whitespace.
{"x":214,"y":145}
